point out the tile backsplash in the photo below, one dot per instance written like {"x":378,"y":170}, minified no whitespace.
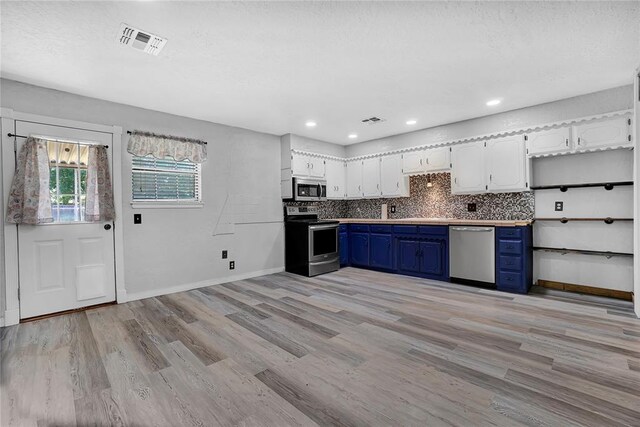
{"x":434,"y":202}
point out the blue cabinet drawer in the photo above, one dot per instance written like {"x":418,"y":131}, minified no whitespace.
{"x":510,"y":281}
{"x":342,"y":228}
{"x":385,"y":229}
{"x":510,"y":247}
{"x":405,"y":229}
{"x":509,"y":232}
{"x":437,"y":230}
{"x":508,"y":262}
{"x":359,"y":228}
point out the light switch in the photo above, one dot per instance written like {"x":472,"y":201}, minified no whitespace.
{"x":559,"y":206}
{"x":137,"y":218}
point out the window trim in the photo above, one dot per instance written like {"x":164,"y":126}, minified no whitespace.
{"x":167,"y":203}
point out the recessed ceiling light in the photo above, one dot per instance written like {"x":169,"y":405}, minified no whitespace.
{"x":353,"y":135}
{"x":493,"y":102}
{"x":411,"y":122}
{"x":311,"y":124}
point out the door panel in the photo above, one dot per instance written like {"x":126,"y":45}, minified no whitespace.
{"x":381,"y":253}
{"x":70,"y":264}
{"x":506,"y":164}
{"x":392,"y":181}
{"x":431,"y":258}
{"x":438,"y":159}
{"x":371,"y":177}
{"x":413,"y":162}
{"x":360,"y":249}
{"x":468,"y":171}
{"x":549,"y":141}
{"x":354,"y":180}
{"x":299,"y":165}
{"x":408,"y":255}
{"x":602,"y":133}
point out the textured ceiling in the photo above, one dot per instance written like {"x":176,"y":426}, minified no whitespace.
{"x":270,"y":66}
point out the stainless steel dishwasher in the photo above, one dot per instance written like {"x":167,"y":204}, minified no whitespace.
{"x":472,"y":254}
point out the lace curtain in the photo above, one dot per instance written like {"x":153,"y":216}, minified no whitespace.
{"x":29,"y":198}
{"x":163,"y":146}
{"x":99,"y":204}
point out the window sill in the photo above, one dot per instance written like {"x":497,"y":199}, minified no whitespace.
{"x":166,"y":205}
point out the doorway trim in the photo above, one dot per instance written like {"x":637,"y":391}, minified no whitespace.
{"x":8,"y":117}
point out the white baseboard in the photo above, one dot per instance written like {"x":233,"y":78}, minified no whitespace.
{"x":11,"y":317}
{"x":189,"y":286}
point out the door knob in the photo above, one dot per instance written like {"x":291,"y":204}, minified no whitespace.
{"x":107,"y":227}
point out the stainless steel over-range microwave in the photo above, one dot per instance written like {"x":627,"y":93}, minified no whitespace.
{"x":309,"y":190}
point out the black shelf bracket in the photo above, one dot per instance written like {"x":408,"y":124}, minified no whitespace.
{"x":564,"y":187}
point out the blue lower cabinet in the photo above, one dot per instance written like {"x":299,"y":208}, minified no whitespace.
{"x":359,"y":246}
{"x":344,"y":248}
{"x":408,"y":256}
{"x":431,"y":258}
{"x":425,"y":258}
{"x":380,"y":252}
{"x":514,"y":259}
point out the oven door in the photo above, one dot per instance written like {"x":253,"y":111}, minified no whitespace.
{"x":323,"y":242}
{"x":309,"y":190}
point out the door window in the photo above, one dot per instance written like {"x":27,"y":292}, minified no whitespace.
{"x":68,"y":180}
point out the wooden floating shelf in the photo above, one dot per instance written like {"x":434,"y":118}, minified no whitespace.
{"x":565,"y":187}
{"x":565,"y":251}
{"x":564,"y":220}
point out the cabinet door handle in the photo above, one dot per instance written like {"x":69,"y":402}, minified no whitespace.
{"x":398,"y":184}
{"x":378,"y":186}
{"x":420,"y":162}
{"x":490,"y":177}
{"x":579,"y":141}
{"x":566,"y":142}
{"x":427,"y":160}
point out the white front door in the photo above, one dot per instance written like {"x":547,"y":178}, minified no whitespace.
{"x":69,"y":263}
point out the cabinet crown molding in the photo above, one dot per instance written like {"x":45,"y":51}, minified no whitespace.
{"x":494,"y":135}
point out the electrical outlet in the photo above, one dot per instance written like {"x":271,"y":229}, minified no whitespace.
{"x":137,"y":218}
{"x":224,"y":254}
{"x":232,"y":265}
{"x":393,"y":208}
{"x":471,"y":207}
{"x":559,"y":206}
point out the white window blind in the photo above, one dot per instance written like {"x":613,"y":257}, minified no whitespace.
{"x":165,"y":180}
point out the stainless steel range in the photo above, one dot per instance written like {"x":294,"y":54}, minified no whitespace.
{"x":311,"y":244}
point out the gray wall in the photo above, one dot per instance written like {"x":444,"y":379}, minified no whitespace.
{"x":240,"y":180}
{"x":620,"y":98}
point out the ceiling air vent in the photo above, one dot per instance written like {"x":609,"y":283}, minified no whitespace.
{"x":373,"y":120}
{"x":141,"y":40}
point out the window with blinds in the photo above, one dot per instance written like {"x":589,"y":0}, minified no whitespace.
{"x":165,"y":180}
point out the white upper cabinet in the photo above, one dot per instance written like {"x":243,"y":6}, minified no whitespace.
{"x":371,"y":177}
{"x":336,"y":179}
{"x":549,"y":141}
{"x":468,"y":168}
{"x":354,"y":179}
{"x":393,"y":183}
{"x":426,"y":161}
{"x":307,"y":166}
{"x":413,"y":162}
{"x":506,"y":162}
{"x":602,"y":133}
{"x":437,"y":159}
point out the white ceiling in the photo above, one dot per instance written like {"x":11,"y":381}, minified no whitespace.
{"x":271,"y":66}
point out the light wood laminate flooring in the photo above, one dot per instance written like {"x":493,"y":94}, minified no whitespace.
{"x":350,"y":348}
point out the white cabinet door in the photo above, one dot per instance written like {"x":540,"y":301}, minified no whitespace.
{"x":336,"y":179}
{"x":549,"y":141}
{"x":371,"y":177}
{"x":602,"y":133}
{"x":468,"y":169}
{"x":438,"y":159}
{"x":413,"y":162}
{"x":393,"y":183}
{"x":299,"y":165}
{"x":506,"y":164}
{"x":316,"y":167}
{"x":354,"y":179}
